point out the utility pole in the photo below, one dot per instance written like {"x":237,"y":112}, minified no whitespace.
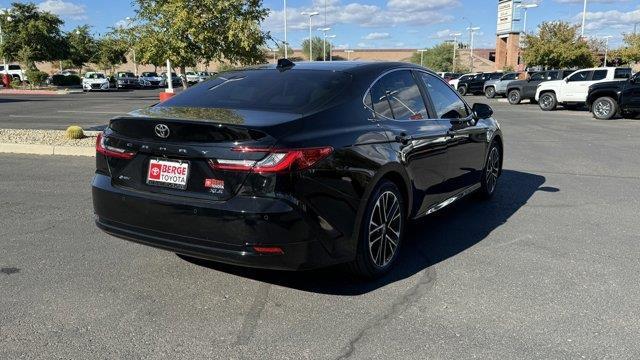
{"x":324,"y":42}
{"x":286,"y":51}
{"x":472,"y":32}
{"x":584,"y":18}
{"x":348,"y":54}
{"x":310,"y":15}
{"x":421,"y":51}
{"x":330,"y":50}
{"x":606,"y":49}
{"x":455,"y":46}
{"x":4,"y":58}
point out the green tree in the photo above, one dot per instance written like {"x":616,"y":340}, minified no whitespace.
{"x":438,"y":58}
{"x":83,"y":48}
{"x":186,"y":31}
{"x":318,"y":47}
{"x":280,"y":51}
{"x":112,"y":51}
{"x":32,"y":35}
{"x":630,"y":51}
{"x":558,"y":45}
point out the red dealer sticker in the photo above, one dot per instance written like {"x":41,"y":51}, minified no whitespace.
{"x":214,"y":184}
{"x":168,"y":173}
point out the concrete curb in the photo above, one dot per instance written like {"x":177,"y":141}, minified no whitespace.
{"x":35,"y":149}
{"x":40,"y":92}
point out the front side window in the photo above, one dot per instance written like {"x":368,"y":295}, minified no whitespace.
{"x":599,"y":75}
{"x":580,"y":76}
{"x":511,"y":76}
{"x":14,"y":67}
{"x":397,"y":96}
{"x":446,"y":101}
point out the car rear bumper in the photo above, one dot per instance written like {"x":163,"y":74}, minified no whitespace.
{"x":221,"y":231}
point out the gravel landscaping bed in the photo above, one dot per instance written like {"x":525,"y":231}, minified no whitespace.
{"x":45,"y":137}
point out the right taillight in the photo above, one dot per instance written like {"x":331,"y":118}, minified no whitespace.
{"x":110,"y":151}
{"x":277,"y":160}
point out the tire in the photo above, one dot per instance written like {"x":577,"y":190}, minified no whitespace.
{"x":491,"y":172}
{"x":604,"y":108}
{"x":548,"y":101}
{"x":462,"y":90}
{"x":514,"y":97}
{"x":490,"y":92}
{"x":377,"y":236}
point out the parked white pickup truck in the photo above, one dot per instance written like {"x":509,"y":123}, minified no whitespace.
{"x":15,"y":71}
{"x":572,"y":91}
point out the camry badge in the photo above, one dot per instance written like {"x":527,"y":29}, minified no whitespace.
{"x":162,"y":131}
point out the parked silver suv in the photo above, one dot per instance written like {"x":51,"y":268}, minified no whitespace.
{"x":499,"y":86}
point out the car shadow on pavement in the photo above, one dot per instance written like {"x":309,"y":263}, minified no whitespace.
{"x":429,"y":241}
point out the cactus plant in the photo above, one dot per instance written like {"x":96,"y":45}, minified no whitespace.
{"x":75,"y":132}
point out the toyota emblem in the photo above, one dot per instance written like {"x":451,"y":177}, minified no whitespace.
{"x":162,"y":131}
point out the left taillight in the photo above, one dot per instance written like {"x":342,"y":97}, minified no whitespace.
{"x":111,"y":151}
{"x":277,"y":160}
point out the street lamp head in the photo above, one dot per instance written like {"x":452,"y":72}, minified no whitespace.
{"x":473,"y":28}
{"x":528,"y":6}
{"x":456,"y":34}
{"x":324,"y":29}
{"x":313,"y":13}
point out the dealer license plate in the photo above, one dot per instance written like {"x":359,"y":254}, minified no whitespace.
{"x":168,"y":173}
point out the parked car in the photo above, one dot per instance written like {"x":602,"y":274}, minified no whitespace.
{"x":15,"y":71}
{"x":475,"y":85}
{"x":151,"y":79}
{"x":449,"y":75}
{"x":95,"y":81}
{"x":127,"y":80}
{"x":463,"y":77}
{"x":519,"y":90}
{"x":499,"y":86}
{"x":611,"y":98}
{"x":573,"y":90}
{"x":221,"y":171}
{"x":176,"y":80}
{"x":194,"y":77}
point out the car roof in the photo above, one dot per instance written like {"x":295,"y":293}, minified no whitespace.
{"x":346,"y":66}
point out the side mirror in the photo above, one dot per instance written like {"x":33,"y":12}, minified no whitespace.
{"x":481,"y":111}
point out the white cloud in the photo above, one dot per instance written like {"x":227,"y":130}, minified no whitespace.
{"x":612,"y":19}
{"x":64,"y":9}
{"x":393,"y":13}
{"x":377,"y":36}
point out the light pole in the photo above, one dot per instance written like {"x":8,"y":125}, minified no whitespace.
{"x":330,"y":51}
{"x":4,"y":58}
{"x":635,"y":28}
{"x":348,"y":54}
{"x":286,"y":51}
{"x":324,"y":43}
{"x":310,"y":15}
{"x":606,"y":48}
{"x":472,"y":32}
{"x":421,"y":51}
{"x":135,"y":63}
{"x":455,"y":45}
{"x":584,"y":18}
{"x":526,"y":7}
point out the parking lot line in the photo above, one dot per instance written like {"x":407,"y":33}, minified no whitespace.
{"x":89,"y":112}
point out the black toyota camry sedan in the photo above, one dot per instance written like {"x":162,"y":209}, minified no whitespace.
{"x":295,"y":166}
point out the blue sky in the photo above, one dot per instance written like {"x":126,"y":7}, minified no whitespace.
{"x":383,"y":23}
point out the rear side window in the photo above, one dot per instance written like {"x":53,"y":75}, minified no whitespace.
{"x":14,"y":67}
{"x":397,"y":96}
{"x":293,"y":90}
{"x":538,"y":77}
{"x":446,"y":101}
{"x":553,"y":75}
{"x":622,"y":73}
{"x":512,"y":76}
{"x":580,"y":76}
{"x":599,"y":75}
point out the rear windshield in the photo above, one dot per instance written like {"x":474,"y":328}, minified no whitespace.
{"x":150,"y":74}
{"x":295,"y":91}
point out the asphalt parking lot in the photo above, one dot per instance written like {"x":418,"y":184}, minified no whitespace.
{"x":90,"y":110}
{"x":546,"y":270}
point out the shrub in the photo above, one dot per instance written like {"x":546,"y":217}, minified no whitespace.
{"x":36,"y":77}
{"x":16,"y":82}
{"x":61,"y":80}
{"x":74,"y":132}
